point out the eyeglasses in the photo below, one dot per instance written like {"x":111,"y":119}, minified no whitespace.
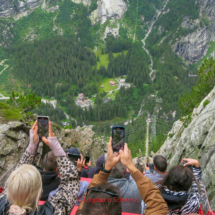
{"x":95,"y":189}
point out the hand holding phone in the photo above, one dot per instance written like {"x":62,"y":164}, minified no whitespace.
{"x":43,"y":126}
{"x":87,"y":160}
{"x":118,"y":138}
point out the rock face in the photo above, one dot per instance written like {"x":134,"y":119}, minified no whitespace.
{"x":194,"y":46}
{"x":108,"y":9}
{"x":9,"y":8}
{"x":195,"y":141}
{"x":14,"y":140}
{"x":85,"y":2}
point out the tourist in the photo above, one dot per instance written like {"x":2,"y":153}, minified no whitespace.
{"x":179,"y":188}
{"x":160,"y":167}
{"x":50,"y":178}
{"x":149,"y":193}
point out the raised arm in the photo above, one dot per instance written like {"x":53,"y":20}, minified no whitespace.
{"x":66,"y":196}
{"x":149,"y":193}
{"x":29,"y":154}
{"x":102,"y":177}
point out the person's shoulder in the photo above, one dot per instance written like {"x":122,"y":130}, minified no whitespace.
{"x":46,"y":209}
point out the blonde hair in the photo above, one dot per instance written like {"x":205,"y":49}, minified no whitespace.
{"x":24,"y":187}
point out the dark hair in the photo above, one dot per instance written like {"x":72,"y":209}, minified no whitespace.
{"x":50,"y":163}
{"x":73,"y":160}
{"x":179,"y":178}
{"x":103,"y":208}
{"x":160,"y":163}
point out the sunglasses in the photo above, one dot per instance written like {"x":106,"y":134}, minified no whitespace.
{"x":95,"y":189}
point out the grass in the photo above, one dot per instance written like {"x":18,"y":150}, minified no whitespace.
{"x":9,"y":113}
{"x":107,"y":87}
{"x":104,"y":58}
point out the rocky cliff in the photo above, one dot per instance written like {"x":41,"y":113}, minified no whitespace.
{"x":108,"y":9}
{"x":194,"y":46}
{"x":14,"y":139}
{"x":195,"y":139}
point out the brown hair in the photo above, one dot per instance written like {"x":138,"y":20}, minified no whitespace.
{"x":179,"y":178}
{"x":160,"y":163}
{"x":50,"y":163}
{"x":110,"y":207}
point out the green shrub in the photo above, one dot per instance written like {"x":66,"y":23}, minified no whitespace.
{"x":171,"y":135}
{"x":9,"y":113}
{"x":206,"y":102}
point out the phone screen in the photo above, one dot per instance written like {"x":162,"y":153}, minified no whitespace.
{"x":118,"y":138}
{"x":43,"y":127}
{"x":87,"y":159}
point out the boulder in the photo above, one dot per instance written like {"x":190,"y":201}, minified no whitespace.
{"x":14,"y":139}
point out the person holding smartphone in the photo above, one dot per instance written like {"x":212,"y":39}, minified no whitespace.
{"x":99,"y":187}
{"x":24,"y":185}
{"x":74,"y":155}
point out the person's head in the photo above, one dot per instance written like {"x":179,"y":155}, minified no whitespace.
{"x":73,"y":151}
{"x":50,"y":163}
{"x":160,"y":163}
{"x":100,"y":203}
{"x":179,"y":178}
{"x":99,"y":163}
{"x":118,"y":171}
{"x":24,"y":187}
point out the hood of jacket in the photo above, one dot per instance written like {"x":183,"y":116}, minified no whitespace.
{"x":48,"y":177}
{"x":121,"y":183}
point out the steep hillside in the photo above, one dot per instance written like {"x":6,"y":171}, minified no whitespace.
{"x":152,"y":44}
{"x":194,"y":138}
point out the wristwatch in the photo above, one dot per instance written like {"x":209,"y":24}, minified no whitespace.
{"x":103,"y":169}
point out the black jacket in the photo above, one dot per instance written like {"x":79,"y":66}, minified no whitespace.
{"x":51,"y":181}
{"x":84,"y":173}
{"x":46,"y":209}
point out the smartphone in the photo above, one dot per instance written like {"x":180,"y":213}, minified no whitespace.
{"x":43,"y":126}
{"x":75,"y":156}
{"x":87,"y":159}
{"x":118,"y":138}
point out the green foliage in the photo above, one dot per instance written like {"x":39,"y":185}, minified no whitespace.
{"x":206,"y":83}
{"x":37,"y":25}
{"x":117,"y":44}
{"x":171,"y":135}
{"x":26,"y":103}
{"x":55,"y":114}
{"x":178,"y":9}
{"x":68,"y":127}
{"x":54,"y":65}
{"x":10,"y":113}
{"x":93,"y":6}
{"x":186,"y":120}
{"x":206,"y":102}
